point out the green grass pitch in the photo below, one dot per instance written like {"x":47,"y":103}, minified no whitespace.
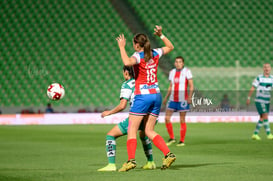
{"x":216,"y":151}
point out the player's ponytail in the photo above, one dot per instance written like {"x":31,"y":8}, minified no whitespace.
{"x":147,"y":51}
{"x":144,"y":42}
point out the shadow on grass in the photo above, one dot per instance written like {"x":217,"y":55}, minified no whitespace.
{"x":181,"y":166}
{"x":176,"y":167}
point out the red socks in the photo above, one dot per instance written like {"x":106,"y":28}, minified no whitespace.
{"x":183,"y":130}
{"x":131,"y":148}
{"x":160,"y":144}
{"x":169,"y":127}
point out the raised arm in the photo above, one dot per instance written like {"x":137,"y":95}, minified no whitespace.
{"x":168,"y":44}
{"x":127,"y":61}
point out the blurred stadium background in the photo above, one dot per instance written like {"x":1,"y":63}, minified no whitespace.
{"x":224,"y":43}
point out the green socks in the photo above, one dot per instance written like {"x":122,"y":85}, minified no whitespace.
{"x":267,"y":127}
{"x":264,"y":123}
{"x":147,"y":147}
{"x":258,"y":126}
{"x":111,"y":148}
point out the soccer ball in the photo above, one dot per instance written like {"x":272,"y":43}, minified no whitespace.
{"x":55,"y":91}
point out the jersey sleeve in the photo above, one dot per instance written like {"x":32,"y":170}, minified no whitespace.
{"x":137,"y":57}
{"x":159,"y":51}
{"x":125,"y":92}
{"x":189,"y":74}
{"x":255,"y":82}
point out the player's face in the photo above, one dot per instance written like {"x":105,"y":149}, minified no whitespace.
{"x":178,"y":63}
{"x":267,"y":69}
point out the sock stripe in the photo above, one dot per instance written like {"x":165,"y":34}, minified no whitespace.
{"x":111,"y":148}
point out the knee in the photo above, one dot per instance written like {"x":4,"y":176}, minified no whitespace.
{"x":264,"y":116}
{"x":148,"y":132}
{"x":167,"y":120}
{"x":182,"y":120}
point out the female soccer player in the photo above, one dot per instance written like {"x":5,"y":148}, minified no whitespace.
{"x":263,"y":84}
{"x":180,"y":78}
{"x":126,"y":94}
{"x":147,"y":100}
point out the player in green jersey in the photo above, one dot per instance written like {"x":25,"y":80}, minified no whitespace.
{"x":126,"y":94}
{"x":263,"y":84}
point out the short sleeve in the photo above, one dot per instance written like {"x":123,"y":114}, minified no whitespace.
{"x":125,"y":91}
{"x":255,"y":82}
{"x":189,"y":74}
{"x":137,"y":57}
{"x":159,"y":51}
{"x":125,"y":94}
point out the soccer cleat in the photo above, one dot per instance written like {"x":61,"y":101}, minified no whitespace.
{"x":149,"y":165}
{"x":131,"y":164}
{"x":108,"y":168}
{"x":168,"y":160}
{"x":181,"y":143}
{"x":255,"y":137}
{"x":270,"y":137}
{"x":170,"y":141}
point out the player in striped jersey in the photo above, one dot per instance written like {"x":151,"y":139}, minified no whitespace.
{"x":180,"y":79}
{"x":147,"y":100}
{"x":263,"y":84}
{"x":126,"y":94}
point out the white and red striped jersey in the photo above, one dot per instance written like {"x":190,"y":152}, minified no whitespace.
{"x":179,"y":80}
{"x":146,"y":72}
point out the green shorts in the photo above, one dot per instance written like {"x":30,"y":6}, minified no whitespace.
{"x":123,"y":126}
{"x":262,"y":107}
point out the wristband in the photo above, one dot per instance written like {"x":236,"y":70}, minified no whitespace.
{"x":248,"y":98}
{"x":162,"y":36}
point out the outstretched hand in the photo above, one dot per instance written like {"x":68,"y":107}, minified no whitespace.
{"x":121,"y":40}
{"x":105,"y":113}
{"x":247,"y":102}
{"x":158,"y":30}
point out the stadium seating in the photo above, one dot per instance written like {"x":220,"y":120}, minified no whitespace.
{"x":213,"y":34}
{"x":73,"y":43}
{"x":60,"y":41}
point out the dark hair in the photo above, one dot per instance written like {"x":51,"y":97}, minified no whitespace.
{"x":180,"y":57}
{"x":130,"y":70}
{"x":144,"y":42}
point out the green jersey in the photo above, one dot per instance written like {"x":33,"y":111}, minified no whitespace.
{"x":127,"y":90}
{"x":263,"y":87}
